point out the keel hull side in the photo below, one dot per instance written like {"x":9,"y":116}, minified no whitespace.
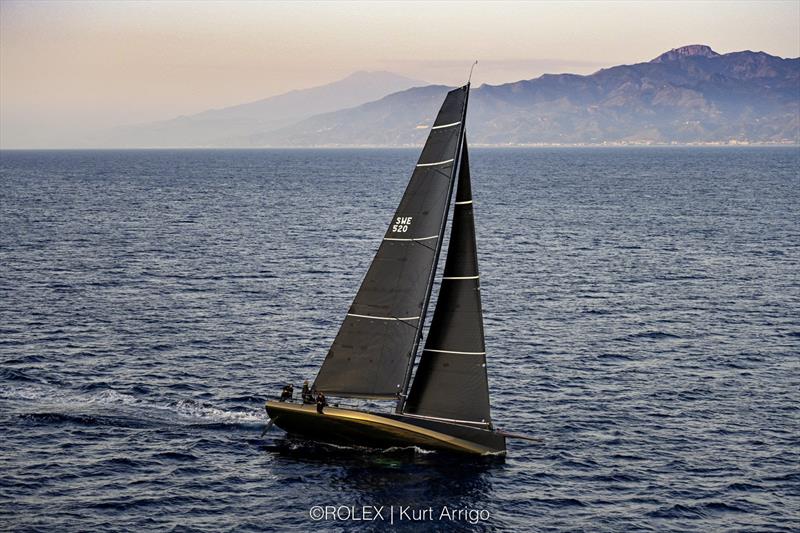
{"x":345,"y":426}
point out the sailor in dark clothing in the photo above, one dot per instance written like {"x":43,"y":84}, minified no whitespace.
{"x":321,"y":402}
{"x":307,"y":397}
{"x":288,"y":392}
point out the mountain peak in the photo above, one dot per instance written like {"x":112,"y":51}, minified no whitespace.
{"x":692,"y":50}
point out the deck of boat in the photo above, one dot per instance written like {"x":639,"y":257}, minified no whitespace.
{"x":346,"y":426}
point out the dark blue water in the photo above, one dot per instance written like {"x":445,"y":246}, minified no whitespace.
{"x":641,"y":317}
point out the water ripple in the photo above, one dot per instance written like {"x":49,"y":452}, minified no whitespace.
{"x":641,"y":318}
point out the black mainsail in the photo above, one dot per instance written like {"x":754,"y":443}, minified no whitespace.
{"x":450,"y":382}
{"x":372,"y":355}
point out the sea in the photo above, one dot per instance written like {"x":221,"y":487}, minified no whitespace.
{"x":642,"y":314}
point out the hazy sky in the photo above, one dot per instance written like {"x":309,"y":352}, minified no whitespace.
{"x":69,"y":68}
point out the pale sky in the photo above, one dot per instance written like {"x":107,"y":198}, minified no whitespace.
{"x":70,"y":68}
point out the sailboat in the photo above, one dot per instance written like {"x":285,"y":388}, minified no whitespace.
{"x":446,"y":404}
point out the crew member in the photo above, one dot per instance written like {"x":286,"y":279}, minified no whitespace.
{"x":321,"y":402}
{"x":307,"y":397}
{"x":288,"y":392}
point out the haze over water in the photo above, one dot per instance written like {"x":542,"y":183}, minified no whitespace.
{"x":641,"y":318}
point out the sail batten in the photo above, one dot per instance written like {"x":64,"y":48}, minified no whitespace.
{"x":446,"y":125}
{"x":384,"y":317}
{"x":374,"y":348}
{"x":452,"y":351}
{"x":412,"y":239}
{"x":436,"y":163}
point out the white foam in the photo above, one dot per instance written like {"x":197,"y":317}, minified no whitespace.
{"x":416,"y":450}
{"x":190,"y":408}
{"x":73,"y":401}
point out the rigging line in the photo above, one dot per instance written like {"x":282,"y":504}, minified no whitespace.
{"x":425,"y":245}
{"x":470,"y":71}
{"x":442,"y":172}
{"x":407,"y":323}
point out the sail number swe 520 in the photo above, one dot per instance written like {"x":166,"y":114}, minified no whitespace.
{"x":401,"y":224}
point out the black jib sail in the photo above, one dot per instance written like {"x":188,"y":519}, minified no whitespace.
{"x":450,"y":381}
{"x":372,"y":354}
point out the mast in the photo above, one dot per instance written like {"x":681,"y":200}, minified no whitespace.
{"x":403,"y":396}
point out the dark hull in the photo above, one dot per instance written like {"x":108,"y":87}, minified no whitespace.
{"x":378,"y":430}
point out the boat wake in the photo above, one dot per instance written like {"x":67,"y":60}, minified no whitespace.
{"x":43,"y":403}
{"x":310,"y":451}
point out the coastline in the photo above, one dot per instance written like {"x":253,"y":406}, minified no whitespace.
{"x":712,"y":144}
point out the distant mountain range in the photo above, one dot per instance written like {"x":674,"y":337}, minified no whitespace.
{"x":231,"y":125}
{"x":687,"y":95}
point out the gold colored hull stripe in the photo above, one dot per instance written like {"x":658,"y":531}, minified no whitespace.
{"x":374,"y":420}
